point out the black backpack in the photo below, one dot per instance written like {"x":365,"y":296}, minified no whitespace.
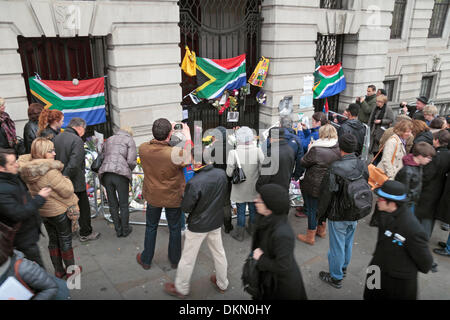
{"x":251,"y":278}
{"x":357,"y":197}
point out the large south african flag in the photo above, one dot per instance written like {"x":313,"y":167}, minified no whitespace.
{"x":85,"y":100}
{"x":217,"y":75}
{"x":330,"y":81}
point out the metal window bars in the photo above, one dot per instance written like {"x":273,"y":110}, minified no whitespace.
{"x":398,"y":16}
{"x":438,"y":18}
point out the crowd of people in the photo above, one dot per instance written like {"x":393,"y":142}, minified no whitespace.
{"x":47,"y":184}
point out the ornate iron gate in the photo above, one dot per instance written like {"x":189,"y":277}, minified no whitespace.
{"x":220,"y":29}
{"x":329,"y":52}
{"x":64,"y":59}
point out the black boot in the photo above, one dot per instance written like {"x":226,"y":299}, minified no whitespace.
{"x":55,"y":257}
{"x":228,"y":226}
{"x":124,"y":221}
{"x":116,"y":220}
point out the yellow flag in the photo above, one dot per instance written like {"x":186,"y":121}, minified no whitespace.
{"x":258,"y":76}
{"x":189,"y":63}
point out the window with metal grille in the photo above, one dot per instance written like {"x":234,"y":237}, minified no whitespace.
{"x":438,"y":18}
{"x":397,"y":19}
{"x":328,"y":52}
{"x":389,"y":88}
{"x":331,"y":4}
{"x":427,"y":83}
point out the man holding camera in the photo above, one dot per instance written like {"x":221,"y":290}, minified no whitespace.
{"x":415,"y":112}
{"x":367,"y":104}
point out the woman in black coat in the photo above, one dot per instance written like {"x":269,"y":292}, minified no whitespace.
{"x":273,"y":246}
{"x":32,"y":126}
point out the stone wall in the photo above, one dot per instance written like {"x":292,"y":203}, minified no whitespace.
{"x":143,"y":54}
{"x":416,"y":55}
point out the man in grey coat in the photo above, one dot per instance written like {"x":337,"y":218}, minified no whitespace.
{"x":69,"y":149}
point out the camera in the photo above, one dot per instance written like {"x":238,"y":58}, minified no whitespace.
{"x":178,"y":126}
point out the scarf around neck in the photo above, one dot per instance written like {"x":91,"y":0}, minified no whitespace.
{"x":10,"y":128}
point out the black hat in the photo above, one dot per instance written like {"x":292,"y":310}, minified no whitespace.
{"x":423,"y":99}
{"x":393,"y":190}
{"x":347,"y":142}
{"x":276,"y":198}
{"x":383,"y":92}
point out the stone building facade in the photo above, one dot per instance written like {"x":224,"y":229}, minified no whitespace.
{"x":143,"y":52}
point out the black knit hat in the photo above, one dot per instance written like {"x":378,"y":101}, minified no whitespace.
{"x":276,"y":198}
{"x":347,"y":142}
{"x":393,"y":191}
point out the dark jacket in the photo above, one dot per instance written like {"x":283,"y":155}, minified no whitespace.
{"x":278,"y":167}
{"x":3,"y":139}
{"x":17,"y":205}
{"x":280,"y":273}
{"x":425,"y":136}
{"x":49,"y":133}
{"x":367,"y":106}
{"x":29,"y":134}
{"x":204,"y":199}
{"x":317,"y":161}
{"x":417,"y":115}
{"x":120,"y":155}
{"x":333,"y":188}
{"x":411,"y":176}
{"x":433,"y":186}
{"x":356,"y":128}
{"x":386,"y":116}
{"x":296,"y":144}
{"x":443,"y":211}
{"x":401,"y":263}
{"x":35,"y":277}
{"x":69,"y":148}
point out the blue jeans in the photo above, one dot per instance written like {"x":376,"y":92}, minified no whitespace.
{"x":183,"y":221}
{"x":341,"y":235}
{"x":241,"y":213}
{"x":311,"y":210}
{"x":173,"y":216}
{"x":448,"y":244}
{"x":63,"y":292}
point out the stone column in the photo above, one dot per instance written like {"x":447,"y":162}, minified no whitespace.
{"x":288,"y":36}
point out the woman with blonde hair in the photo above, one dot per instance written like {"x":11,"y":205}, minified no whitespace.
{"x":321,"y":153}
{"x":429,"y":113}
{"x":119,"y":160}
{"x":7,"y":128}
{"x":395,"y":149}
{"x":40,"y":169}
{"x":381,"y":118}
{"x":50,"y":123}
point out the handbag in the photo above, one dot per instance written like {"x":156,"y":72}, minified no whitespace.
{"x":251,"y":278}
{"x":377,"y":177}
{"x":238,"y":173}
{"x":97,"y":163}
{"x":19,"y":147}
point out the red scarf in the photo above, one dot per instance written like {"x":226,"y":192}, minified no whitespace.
{"x":9,"y":127}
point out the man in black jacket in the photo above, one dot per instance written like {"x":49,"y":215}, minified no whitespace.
{"x":354,"y":126}
{"x":332,"y":204}
{"x":415,"y":112}
{"x":69,"y":148}
{"x":401,"y":250}
{"x":279,"y":165}
{"x":18,"y":206}
{"x":204,"y":198}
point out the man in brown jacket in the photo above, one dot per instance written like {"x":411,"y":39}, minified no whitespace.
{"x":163,"y":188}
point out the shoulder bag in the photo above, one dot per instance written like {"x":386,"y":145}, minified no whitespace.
{"x":377,"y":177}
{"x":238,"y":173}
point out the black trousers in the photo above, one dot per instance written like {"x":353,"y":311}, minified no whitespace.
{"x":392,"y":289}
{"x":59,"y":230}
{"x":117,"y":190}
{"x":32,"y":253}
{"x":85,"y":214}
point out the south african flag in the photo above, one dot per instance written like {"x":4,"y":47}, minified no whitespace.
{"x":85,"y":100}
{"x":217,"y":75}
{"x":330,"y":81}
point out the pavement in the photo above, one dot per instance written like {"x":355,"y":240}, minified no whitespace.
{"x":110,"y":271}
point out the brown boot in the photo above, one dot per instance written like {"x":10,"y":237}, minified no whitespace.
{"x":322,"y":230}
{"x":308,"y":237}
